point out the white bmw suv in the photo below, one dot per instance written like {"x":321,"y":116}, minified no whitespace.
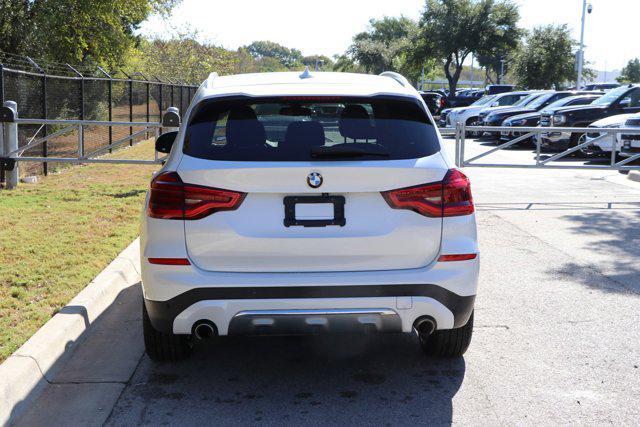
{"x":305,"y":203}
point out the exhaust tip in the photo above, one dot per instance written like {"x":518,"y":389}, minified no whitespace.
{"x":204,"y":329}
{"x":424,"y":325}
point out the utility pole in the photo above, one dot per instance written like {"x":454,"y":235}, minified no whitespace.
{"x":585,"y":9}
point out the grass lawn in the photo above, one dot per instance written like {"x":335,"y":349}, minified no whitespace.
{"x":57,"y":235}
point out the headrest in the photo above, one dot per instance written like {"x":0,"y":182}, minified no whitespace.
{"x":355,"y":123}
{"x":302,"y":136}
{"x":244,"y":129}
{"x":242,"y":113}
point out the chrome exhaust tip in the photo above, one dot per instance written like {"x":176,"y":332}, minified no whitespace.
{"x":204,"y":329}
{"x":424,"y":325}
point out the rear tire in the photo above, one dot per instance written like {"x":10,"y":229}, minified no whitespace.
{"x":448,"y":342}
{"x":161,"y":346}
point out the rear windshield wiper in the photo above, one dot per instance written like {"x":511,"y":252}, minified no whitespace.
{"x":349,"y":150}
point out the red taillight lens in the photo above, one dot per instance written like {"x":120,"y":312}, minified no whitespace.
{"x":457,"y":194}
{"x":451,"y":197}
{"x":443,"y":102}
{"x":172,"y":199}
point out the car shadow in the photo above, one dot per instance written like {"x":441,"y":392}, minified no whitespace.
{"x":333,"y":379}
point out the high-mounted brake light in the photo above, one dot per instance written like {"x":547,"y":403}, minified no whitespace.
{"x":450,"y":197}
{"x":171,"y":198}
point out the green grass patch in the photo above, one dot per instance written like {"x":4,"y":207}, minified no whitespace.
{"x":57,"y":235}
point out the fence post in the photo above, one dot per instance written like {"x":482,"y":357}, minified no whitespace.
{"x":130,"y":109}
{"x":148,"y":104}
{"x":45,"y":147}
{"x":1,"y":125}
{"x":11,"y":143}
{"x":1,"y":84}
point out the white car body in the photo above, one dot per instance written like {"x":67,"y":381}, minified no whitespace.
{"x":244,"y":269}
{"x":606,"y":144}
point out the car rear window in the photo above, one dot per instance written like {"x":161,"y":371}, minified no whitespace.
{"x":310,"y":128}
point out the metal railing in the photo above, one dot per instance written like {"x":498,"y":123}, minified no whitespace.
{"x":11,"y":154}
{"x":542,"y":159}
{"x":61,"y":91}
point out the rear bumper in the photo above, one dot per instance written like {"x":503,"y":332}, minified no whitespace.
{"x":287,"y":309}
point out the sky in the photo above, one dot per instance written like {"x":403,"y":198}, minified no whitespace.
{"x":327,"y":26}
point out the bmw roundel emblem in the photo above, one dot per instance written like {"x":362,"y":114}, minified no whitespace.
{"x":314,"y":179}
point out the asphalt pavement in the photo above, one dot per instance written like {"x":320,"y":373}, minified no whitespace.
{"x":556,"y":337}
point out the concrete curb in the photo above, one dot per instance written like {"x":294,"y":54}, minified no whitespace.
{"x":25,"y":373}
{"x":634,"y":176}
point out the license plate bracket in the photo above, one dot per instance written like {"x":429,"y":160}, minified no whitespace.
{"x":290,"y":211}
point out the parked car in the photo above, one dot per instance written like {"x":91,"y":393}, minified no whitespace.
{"x":463,"y":98}
{"x":601,"y":86}
{"x":526,"y":99}
{"x":449,"y":116}
{"x":533,"y":118}
{"x":622,"y":100}
{"x":250,"y":230}
{"x":609,"y":142}
{"x":495,"y":89}
{"x":434,"y":101}
{"x":470,"y":115}
{"x":630,"y":143}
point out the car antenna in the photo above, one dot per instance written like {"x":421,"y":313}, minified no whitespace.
{"x":306,"y":74}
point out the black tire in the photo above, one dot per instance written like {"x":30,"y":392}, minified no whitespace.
{"x":448,"y":342}
{"x":163,"y":347}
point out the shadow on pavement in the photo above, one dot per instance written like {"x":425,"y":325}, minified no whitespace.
{"x":619,"y":245}
{"x":86,"y":381}
{"x":295,"y":380}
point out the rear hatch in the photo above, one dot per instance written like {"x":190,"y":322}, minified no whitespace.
{"x":310,"y":173}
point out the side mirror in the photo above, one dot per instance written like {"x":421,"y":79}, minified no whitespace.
{"x":494,"y":104}
{"x":165,"y":142}
{"x":625,"y":102}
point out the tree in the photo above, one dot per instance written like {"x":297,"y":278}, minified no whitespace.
{"x":184,"y":58}
{"x":455,"y":29}
{"x":260,"y":50}
{"x":383,"y":47}
{"x":324,"y":62}
{"x":631,"y":72}
{"x":76,"y":31}
{"x":547,"y":59}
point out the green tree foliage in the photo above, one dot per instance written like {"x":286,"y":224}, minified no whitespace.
{"x":631,"y":72}
{"x":546,"y":60}
{"x":75,"y":31}
{"x":324,"y":62}
{"x":501,"y":42}
{"x":184,"y":58}
{"x":454,"y":29}
{"x":384,"y":46}
{"x":287,"y":58}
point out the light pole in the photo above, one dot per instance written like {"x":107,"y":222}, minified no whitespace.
{"x":501,"y":71}
{"x":585,"y":8}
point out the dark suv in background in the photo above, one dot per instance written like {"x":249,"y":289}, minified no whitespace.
{"x":622,"y":100}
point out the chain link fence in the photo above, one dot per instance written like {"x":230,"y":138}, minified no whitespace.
{"x":43,"y":95}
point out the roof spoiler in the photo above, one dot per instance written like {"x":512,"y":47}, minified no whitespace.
{"x":397,"y":77}
{"x":210,"y":80}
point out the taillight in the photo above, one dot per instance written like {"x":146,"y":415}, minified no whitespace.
{"x":171,"y":198}
{"x":443,"y":102}
{"x":451,"y":197}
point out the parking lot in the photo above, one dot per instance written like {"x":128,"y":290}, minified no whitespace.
{"x":555,"y":341}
